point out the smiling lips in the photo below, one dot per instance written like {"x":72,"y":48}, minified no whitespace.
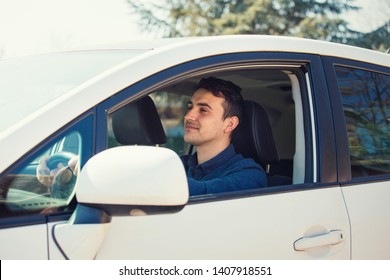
{"x":191,"y":126}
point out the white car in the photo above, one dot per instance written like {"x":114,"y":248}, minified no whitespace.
{"x":109,"y":124}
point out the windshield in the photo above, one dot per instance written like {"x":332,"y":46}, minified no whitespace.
{"x":27,"y":84}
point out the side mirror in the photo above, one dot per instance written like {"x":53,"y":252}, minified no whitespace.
{"x":133,"y":180}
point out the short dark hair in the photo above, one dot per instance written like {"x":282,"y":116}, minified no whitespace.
{"x":226,"y":89}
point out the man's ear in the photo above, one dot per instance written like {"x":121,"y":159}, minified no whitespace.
{"x":232,"y":123}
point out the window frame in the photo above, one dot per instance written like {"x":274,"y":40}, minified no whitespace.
{"x":313,"y":76}
{"x":341,"y":137}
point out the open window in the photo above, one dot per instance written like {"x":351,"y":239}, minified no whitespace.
{"x":277,"y":90}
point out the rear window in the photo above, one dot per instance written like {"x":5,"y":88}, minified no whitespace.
{"x":366,"y":101}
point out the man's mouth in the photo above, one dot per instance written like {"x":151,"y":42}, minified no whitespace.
{"x":191,"y":126}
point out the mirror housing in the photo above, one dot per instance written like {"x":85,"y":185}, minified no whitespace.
{"x":133,"y":180}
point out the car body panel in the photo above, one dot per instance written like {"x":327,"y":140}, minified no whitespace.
{"x":24,"y":243}
{"x":370,"y":223}
{"x":260,"y":227}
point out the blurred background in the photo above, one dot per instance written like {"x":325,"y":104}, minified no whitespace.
{"x":37,"y":26}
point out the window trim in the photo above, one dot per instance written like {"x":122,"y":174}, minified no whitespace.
{"x":312,"y":123}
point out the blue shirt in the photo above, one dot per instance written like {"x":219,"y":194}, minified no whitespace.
{"x":226,"y":172}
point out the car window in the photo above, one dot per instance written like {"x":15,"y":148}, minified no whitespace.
{"x":277,"y":91}
{"x":44,"y":184}
{"x":365,"y":97}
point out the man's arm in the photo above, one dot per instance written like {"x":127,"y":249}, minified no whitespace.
{"x":247,"y":178}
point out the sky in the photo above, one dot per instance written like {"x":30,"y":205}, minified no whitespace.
{"x":36,"y":26}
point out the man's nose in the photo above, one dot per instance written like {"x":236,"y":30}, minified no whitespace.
{"x":189,"y":116}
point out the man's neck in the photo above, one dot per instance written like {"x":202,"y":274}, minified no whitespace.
{"x":207,"y":152}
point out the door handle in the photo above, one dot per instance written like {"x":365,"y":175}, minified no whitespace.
{"x":331,"y":238}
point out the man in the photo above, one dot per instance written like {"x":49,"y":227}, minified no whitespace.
{"x":213,"y":113}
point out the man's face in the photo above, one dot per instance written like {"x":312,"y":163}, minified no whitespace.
{"x":204,"y":123}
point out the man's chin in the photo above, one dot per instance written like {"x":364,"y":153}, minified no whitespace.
{"x":190,"y":140}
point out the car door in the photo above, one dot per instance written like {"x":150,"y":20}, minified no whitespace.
{"x":361,"y":94}
{"x":244,"y":228}
{"x":305,"y":219}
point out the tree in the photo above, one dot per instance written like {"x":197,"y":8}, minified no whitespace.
{"x":378,"y":39}
{"x":316,"y":19}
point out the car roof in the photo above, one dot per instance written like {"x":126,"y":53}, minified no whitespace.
{"x":257,"y":43}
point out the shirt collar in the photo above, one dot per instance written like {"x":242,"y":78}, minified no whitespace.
{"x":213,"y":163}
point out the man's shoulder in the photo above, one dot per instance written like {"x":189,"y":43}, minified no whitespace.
{"x":240,"y":161}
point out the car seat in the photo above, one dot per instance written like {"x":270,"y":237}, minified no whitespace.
{"x":138,"y":123}
{"x":253,"y":138}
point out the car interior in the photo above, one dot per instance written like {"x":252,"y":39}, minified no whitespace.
{"x":272,"y":132}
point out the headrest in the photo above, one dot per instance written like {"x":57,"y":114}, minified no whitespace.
{"x":253,"y":137}
{"x":138,"y":123}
